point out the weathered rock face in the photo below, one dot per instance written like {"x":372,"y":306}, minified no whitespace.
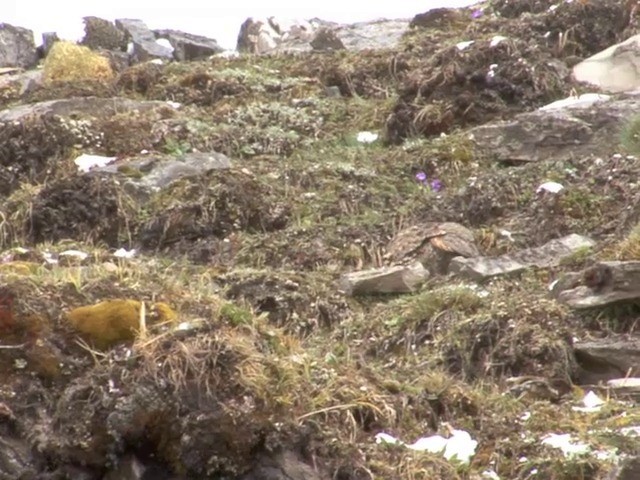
{"x":149,"y":174}
{"x":560,"y":133}
{"x":548,"y":255}
{"x":187,"y":46}
{"x":625,"y":387}
{"x":266,"y":34}
{"x":608,"y":358}
{"x":326,"y":40}
{"x":145,"y":46}
{"x":89,"y":106}
{"x":614,"y":69}
{"x":18,"y":47}
{"x":271,"y":35}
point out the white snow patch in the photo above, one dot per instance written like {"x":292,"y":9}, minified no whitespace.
{"x":459,"y":445}
{"x":86,"y":162}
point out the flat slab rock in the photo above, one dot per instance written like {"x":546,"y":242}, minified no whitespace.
{"x":610,"y":358}
{"x":89,"y":106}
{"x":548,"y":255}
{"x":603,"y":284}
{"x":582,"y":128}
{"x":398,"y":279}
{"x":625,"y":387}
{"x":158,"y":172}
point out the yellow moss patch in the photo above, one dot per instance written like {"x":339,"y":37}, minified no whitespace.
{"x":19,"y":268}
{"x":70,"y":62}
{"x":113,"y":321}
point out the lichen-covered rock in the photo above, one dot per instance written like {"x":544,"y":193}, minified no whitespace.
{"x":103,"y":34}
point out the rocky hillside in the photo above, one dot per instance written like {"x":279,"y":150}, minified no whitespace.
{"x":323,"y":263}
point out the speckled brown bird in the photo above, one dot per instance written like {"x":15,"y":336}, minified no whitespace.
{"x":434,"y":244}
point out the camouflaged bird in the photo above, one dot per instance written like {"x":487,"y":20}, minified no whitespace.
{"x":433,"y":244}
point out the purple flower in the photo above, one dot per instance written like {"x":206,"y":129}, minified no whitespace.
{"x":421,"y":177}
{"x":436,"y":185}
{"x":476,"y":13}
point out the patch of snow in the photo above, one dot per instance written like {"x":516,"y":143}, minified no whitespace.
{"x":367,"y":137}
{"x":228,"y":54}
{"x":459,"y":446}
{"x":74,"y":253}
{"x":552,"y":187}
{"x":497,"y":40}
{"x":566,"y":444}
{"x":464,"y":45}
{"x":124,"y":253}
{"x":591,"y":402}
{"x":49,"y":258}
{"x":86,"y":162}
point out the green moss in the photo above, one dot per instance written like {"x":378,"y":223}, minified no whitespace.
{"x":236,"y":315}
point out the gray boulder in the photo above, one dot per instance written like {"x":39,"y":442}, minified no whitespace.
{"x":272,"y":35}
{"x":17,"y":47}
{"x":614,"y":69}
{"x":557,"y":133}
{"x":187,"y":46}
{"x":145,"y":46}
{"x":399,"y":279}
{"x":149,"y":174}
